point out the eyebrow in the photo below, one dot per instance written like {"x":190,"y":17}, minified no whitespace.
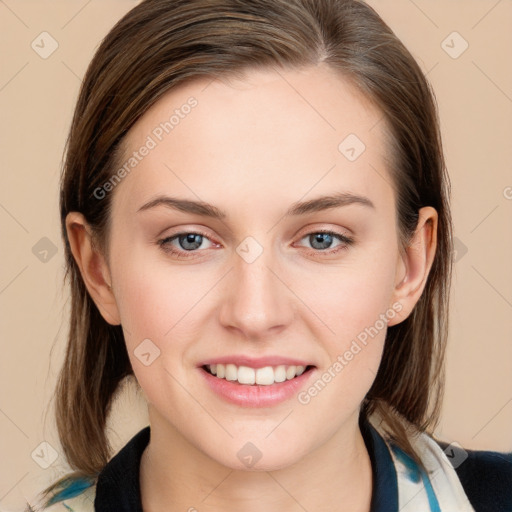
{"x":298,"y":208}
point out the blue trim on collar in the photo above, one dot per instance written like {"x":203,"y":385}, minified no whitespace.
{"x":415,"y":474}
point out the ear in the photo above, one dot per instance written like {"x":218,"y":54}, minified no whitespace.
{"x":93,"y":267}
{"x":414,"y":264}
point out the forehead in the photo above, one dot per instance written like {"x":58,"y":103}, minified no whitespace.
{"x":273,"y":135}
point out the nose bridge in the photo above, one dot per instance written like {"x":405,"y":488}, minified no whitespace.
{"x":257,"y":301}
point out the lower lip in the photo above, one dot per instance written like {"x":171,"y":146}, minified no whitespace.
{"x":246,"y":395}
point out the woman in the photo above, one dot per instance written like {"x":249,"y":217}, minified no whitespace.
{"x":255,"y":211}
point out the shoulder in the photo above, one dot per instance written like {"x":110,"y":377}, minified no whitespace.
{"x":455,"y":478}
{"x":117,"y":482}
{"x":486,"y":476}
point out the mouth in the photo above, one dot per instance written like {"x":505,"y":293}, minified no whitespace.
{"x":248,"y":376}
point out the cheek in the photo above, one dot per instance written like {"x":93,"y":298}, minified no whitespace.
{"x":158,"y":316}
{"x":163,"y":309}
{"x":354,"y":303}
{"x":154,"y":298}
{"x":352,"y":296}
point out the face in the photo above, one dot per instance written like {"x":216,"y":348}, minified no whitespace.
{"x":277,"y":277}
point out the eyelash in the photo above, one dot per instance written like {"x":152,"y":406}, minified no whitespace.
{"x":164,"y":243}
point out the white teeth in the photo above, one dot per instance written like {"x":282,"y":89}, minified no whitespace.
{"x":231,"y":372}
{"x":265,"y":376}
{"x":246,"y":375}
{"x":280,"y":373}
{"x":290,"y":372}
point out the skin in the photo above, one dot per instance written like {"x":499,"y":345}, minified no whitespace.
{"x":253,"y":147}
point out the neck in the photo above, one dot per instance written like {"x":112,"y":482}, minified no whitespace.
{"x":176,"y":476}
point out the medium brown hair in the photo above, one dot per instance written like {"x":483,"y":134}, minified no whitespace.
{"x":162,"y":43}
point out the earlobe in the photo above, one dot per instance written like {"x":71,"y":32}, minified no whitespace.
{"x":416,"y":262}
{"x":93,"y":267}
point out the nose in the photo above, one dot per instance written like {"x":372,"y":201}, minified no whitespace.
{"x":257,"y":302}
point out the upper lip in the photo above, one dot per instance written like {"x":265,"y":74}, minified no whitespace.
{"x":256,"y":362}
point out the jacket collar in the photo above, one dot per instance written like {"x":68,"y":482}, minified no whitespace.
{"x":118,"y":487}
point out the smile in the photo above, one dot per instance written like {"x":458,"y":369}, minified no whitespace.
{"x":248,"y":386}
{"x":265,"y":376}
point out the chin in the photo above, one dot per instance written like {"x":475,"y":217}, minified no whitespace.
{"x":255,"y":456}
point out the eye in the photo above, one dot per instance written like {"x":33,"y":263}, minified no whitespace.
{"x":187,"y":244}
{"x":323,"y":241}
{"x":182,"y":243}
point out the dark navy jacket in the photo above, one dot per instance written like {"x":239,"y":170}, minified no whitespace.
{"x":486,"y":477}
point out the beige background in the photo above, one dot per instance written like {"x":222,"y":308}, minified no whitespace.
{"x":37,"y":98}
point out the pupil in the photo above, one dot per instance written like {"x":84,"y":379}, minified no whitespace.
{"x":191,"y":238}
{"x":324,"y":239}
